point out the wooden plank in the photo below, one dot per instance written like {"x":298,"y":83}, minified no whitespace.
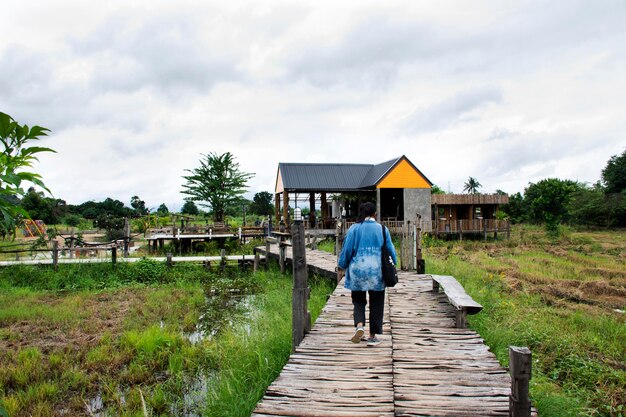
{"x":456,"y":294}
{"x":424,"y":367}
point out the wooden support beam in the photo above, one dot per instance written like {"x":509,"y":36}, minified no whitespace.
{"x":300,"y":295}
{"x":168,"y":260}
{"x":286,"y":207}
{"x":55,"y":255}
{"x":323,"y":207}
{"x":520,"y":367}
{"x":277,"y":207}
{"x":223,"y":260}
{"x":256,"y":262}
{"x":311,"y":210}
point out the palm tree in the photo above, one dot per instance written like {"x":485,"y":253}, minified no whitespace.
{"x":471,"y":186}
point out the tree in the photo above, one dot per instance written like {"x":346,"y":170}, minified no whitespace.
{"x":40,"y":207}
{"x":16,"y":158}
{"x":138,"y":205}
{"x":515,"y":209}
{"x":190,"y":208}
{"x":471,"y":186}
{"x":262,"y":204}
{"x":217,"y":183}
{"x":163,"y":210}
{"x":547,"y":201}
{"x":435,"y":189}
{"x":614,"y":174}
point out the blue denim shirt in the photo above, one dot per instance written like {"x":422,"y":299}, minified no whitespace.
{"x":360,"y":256}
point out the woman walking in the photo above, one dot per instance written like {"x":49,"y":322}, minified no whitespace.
{"x":360,"y":257}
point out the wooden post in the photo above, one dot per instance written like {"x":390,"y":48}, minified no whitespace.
{"x":420,"y":264}
{"x":461,"y":318}
{"x":276,"y":208}
{"x":168,"y":260}
{"x":223,"y":260}
{"x":484,"y":227}
{"x":126,"y":236}
{"x":300,"y":294}
{"x":323,"y":209}
{"x":314,"y":243}
{"x":286,"y":207}
{"x":281,"y":256}
{"x":72,"y":244}
{"x":267,"y":254}
{"x":114,"y":255}
{"x":55,"y":255}
{"x":520,"y":367}
{"x":256,"y":262}
{"x":460,"y":227}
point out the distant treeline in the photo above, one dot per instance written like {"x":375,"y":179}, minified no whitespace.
{"x":57,"y":211}
{"x":553,"y":201}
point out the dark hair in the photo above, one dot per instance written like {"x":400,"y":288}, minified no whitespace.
{"x":366,"y":209}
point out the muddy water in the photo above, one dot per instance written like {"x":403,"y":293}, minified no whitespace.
{"x":220,"y":313}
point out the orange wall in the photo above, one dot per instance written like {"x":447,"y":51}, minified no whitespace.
{"x":403,"y":176}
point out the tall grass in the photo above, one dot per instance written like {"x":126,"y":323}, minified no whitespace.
{"x":64,"y":350}
{"x":579,"y":349}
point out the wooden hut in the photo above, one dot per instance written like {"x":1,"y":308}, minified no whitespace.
{"x":399,"y":189}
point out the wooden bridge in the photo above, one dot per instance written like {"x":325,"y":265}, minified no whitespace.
{"x":426,"y":366}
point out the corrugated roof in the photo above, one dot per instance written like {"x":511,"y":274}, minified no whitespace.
{"x":335,"y":177}
{"x":323,"y":177}
{"x":376,"y":172}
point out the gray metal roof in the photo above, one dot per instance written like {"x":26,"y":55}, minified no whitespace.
{"x":323,"y":177}
{"x":335,"y":177}
{"x":376,"y":172}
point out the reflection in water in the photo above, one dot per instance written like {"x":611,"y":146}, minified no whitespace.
{"x":194,"y":398}
{"x":221,"y":311}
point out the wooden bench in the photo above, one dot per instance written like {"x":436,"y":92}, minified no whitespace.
{"x":457,"y":296}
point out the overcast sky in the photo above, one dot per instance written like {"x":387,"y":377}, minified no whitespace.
{"x":509,"y":92}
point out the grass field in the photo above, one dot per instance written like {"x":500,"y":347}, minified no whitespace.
{"x":89,"y":339}
{"x":564,"y":298}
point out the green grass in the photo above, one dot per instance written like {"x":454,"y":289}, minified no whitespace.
{"x":533,"y":295}
{"x":62,"y":348}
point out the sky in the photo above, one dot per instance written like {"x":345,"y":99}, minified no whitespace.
{"x":134,"y":92}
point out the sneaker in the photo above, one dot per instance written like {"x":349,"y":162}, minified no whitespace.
{"x":373,"y":341}
{"x":358,"y":334}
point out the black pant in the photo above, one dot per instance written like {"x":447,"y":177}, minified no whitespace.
{"x":377,"y":308}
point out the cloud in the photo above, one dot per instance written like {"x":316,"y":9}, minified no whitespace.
{"x":448,"y":111}
{"x":166,"y":52}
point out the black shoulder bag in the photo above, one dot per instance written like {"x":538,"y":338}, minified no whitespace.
{"x":390,"y":275}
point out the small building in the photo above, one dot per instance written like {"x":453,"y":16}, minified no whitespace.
{"x":399,"y":189}
{"x":468,"y":213}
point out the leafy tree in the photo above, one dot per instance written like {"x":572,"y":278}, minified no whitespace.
{"x":138,"y":205}
{"x":190,"y":208}
{"x":72,"y":220}
{"x":114,"y":208}
{"x":40,"y":207}
{"x":471,"y":186}
{"x":236,"y":207}
{"x":588,"y":206}
{"x":614,"y":174}
{"x":16,"y":158}
{"x":548,"y":200}
{"x":515,"y":209}
{"x":163,"y":210}
{"x":217,"y":183}
{"x":436,"y":190}
{"x":262,"y":204}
